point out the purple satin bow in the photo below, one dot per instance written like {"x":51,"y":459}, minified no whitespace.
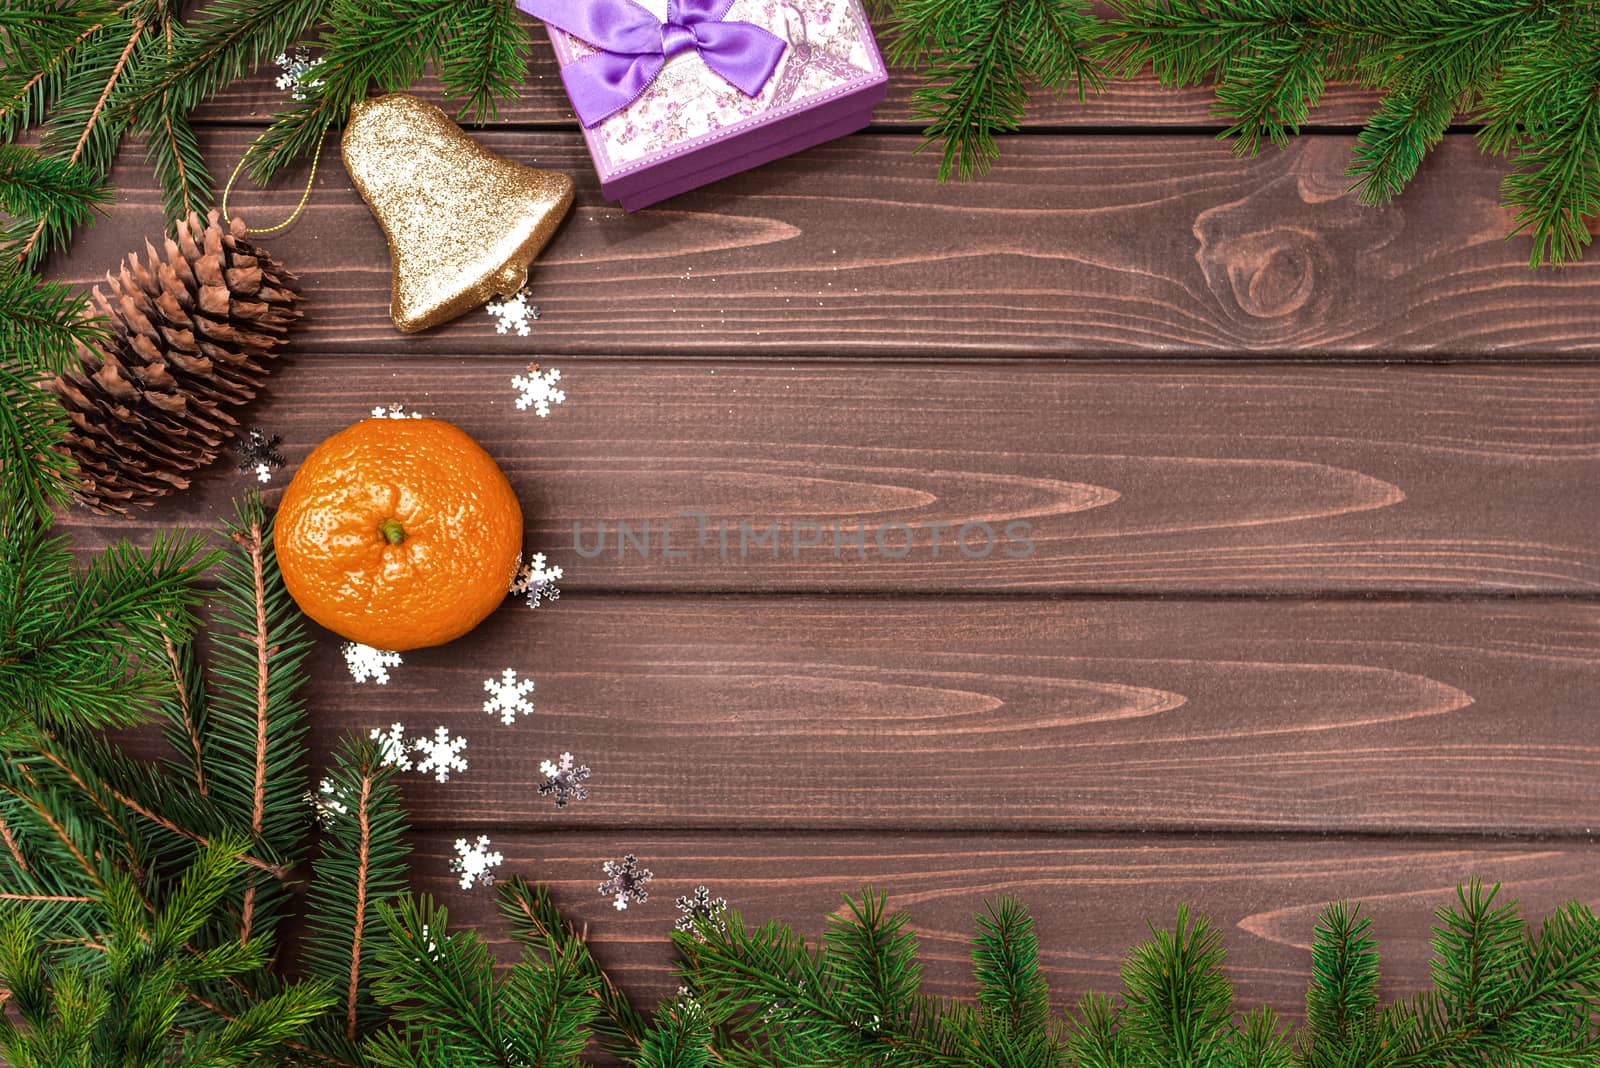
{"x":634,"y":47}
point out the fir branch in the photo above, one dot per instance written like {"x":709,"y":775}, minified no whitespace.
{"x":439,"y":986}
{"x":42,"y":327}
{"x":536,"y":921}
{"x":42,"y":323}
{"x":35,"y":473}
{"x":870,"y":961}
{"x":32,"y":32}
{"x":363,"y":865}
{"x":174,"y":151}
{"x":387,"y":43}
{"x":256,"y":770}
{"x":47,"y":197}
{"x":126,"y":1010}
{"x":231,"y":40}
{"x":28,"y":85}
{"x":277,"y":871}
{"x":85,"y":126}
{"x":1546,"y":113}
{"x":1342,"y":1000}
{"x":1005,"y":963}
{"x":186,"y":714}
{"x":1391,"y":147}
{"x":1179,"y":1001}
{"x":981,"y":57}
{"x":81,"y":646}
{"x":484,"y":57}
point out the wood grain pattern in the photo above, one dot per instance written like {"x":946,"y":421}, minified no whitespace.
{"x":1090,"y":896}
{"x":1073,"y":247}
{"x":1299,"y":625}
{"x":984,"y":713}
{"x":1133,"y":478}
{"x":1139,"y":102}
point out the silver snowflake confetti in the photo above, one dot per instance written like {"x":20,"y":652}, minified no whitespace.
{"x":394,"y":411}
{"x":564,"y":779}
{"x":258,"y":454}
{"x":514,"y":313}
{"x":509,"y":696}
{"x":474,"y":861}
{"x":297,"y":67}
{"x":537,"y":390}
{"x":393,"y":745}
{"x":689,"y":1000}
{"x":537,"y":580}
{"x":440,"y":754}
{"x":625,"y":882}
{"x":365,"y":662}
{"x":329,"y":803}
{"x":698,"y":907}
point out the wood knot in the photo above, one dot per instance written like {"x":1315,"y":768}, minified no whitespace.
{"x":1273,"y":274}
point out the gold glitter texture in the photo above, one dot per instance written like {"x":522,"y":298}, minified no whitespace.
{"x":463,"y":223}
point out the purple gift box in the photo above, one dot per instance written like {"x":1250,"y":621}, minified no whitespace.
{"x":674,"y":94}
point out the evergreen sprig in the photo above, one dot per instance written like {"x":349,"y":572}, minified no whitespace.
{"x":1523,"y":71}
{"x":126,"y":1011}
{"x":42,"y":327}
{"x":362,"y":866}
{"x":478,"y":47}
{"x":84,"y":645}
{"x":979,"y":59}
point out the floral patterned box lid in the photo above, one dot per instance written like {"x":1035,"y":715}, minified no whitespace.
{"x":690,"y":126}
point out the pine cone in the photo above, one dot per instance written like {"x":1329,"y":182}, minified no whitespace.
{"x":192,"y":338}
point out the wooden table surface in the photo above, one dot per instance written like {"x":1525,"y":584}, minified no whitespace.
{"x":1311,"y":611}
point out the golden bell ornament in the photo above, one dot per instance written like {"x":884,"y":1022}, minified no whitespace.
{"x":463,"y":223}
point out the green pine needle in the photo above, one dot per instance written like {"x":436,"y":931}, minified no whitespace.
{"x":47,"y":194}
{"x":362,"y":866}
{"x":83,"y":646}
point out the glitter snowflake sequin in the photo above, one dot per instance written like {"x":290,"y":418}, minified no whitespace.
{"x":700,"y":906}
{"x":514,"y":313}
{"x":297,"y":67}
{"x":564,"y":779}
{"x":440,"y":754}
{"x":537,"y":390}
{"x":474,"y":861}
{"x":625,"y":882}
{"x":537,"y":580}
{"x":258,"y":454}
{"x":394,"y":745}
{"x":509,"y":696}
{"x":365,"y":662}
{"x":394,"y":411}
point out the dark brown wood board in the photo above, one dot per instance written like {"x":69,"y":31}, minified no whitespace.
{"x":1012,"y":713}
{"x":1074,"y":246}
{"x":1312,"y":609}
{"x":1126,"y":478}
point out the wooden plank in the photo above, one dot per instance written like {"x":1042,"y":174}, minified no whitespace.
{"x":1133,"y":478}
{"x":1074,"y":246}
{"x":1022,"y":714}
{"x":1090,"y":896}
{"x":543,"y":101}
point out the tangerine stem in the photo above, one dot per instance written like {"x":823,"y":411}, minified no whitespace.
{"x":392,"y":531}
